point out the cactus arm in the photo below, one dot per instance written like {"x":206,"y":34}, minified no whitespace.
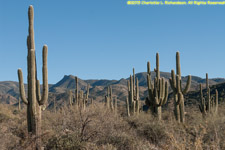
{"x":148,"y":68}
{"x":162,"y":87}
{"x":172,"y":81}
{"x":188,"y":85}
{"x":128,"y":109}
{"x":70,"y":98}
{"x":157,"y":66}
{"x":164,"y":97}
{"x":21,"y":87}
{"x":131,"y":90}
{"x":178,"y":89}
{"x":150,"y":87}
{"x":111,"y":93}
{"x":128,"y":86}
{"x":202,"y":101}
{"x":207,"y":81}
{"x":108,"y":91}
{"x":31,"y":27}
{"x":87,"y":94}
{"x":76,"y":92}
{"x":137,"y":89}
{"x":44,"y":96}
{"x":178,"y":64}
{"x":156,"y":95}
{"x":166,"y":94}
{"x":209,"y":100}
{"x":216,"y":102}
{"x":38,"y":90}
{"x":133,"y":79}
{"x":178,"y":80}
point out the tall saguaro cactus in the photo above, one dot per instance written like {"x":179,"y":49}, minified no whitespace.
{"x":133,"y":94}
{"x":176,"y":85}
{"x":210,"y":105}
{"x":35,"y":100}
{"x":158,"y":92}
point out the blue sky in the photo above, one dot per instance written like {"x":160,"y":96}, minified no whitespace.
{"x":105,"y":39}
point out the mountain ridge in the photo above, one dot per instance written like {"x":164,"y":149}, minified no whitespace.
{"x":98,"y":88}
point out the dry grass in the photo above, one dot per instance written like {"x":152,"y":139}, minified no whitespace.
{"x":97,"y":128}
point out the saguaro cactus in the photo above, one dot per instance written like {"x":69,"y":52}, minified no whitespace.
{"x":109,"y":99}
{"x":211,"y":103}
{"x":34,"y":100}
{"x":80,"y":99}
{"x":175,"y":83}
{"x":133,"y":94}
{"x":128,"y":107}
{"x":70,"y":98}
{"x":77,"y":103}
{"x":158,"y":92}
{"x":85,"y":99}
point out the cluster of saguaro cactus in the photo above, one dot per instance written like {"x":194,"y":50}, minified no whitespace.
{"x":79,"y":99}
{"x":208,"y":104}
{"x":133,"y":95}
{"x":176,"y":85}
{"x":109,"y":100}
{"x":158,"y":91}
{"x":35,"y":100}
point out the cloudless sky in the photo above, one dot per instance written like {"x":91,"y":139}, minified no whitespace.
{"x":105,"y":39}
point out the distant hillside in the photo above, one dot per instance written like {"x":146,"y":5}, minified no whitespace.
{"x":9,"y":90}
{"x":193,"y":97}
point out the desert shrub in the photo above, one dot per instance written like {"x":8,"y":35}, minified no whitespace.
{"x":65,"y":142}
{"x":97,"y":128}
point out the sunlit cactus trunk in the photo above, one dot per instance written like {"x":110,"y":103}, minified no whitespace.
{"x":35,"y":100}
{"x":175,"y":83}
{"x":19,"y":105}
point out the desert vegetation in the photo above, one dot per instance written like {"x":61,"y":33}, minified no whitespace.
{"x":98,"y":128}
{"x":161,"y":119}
